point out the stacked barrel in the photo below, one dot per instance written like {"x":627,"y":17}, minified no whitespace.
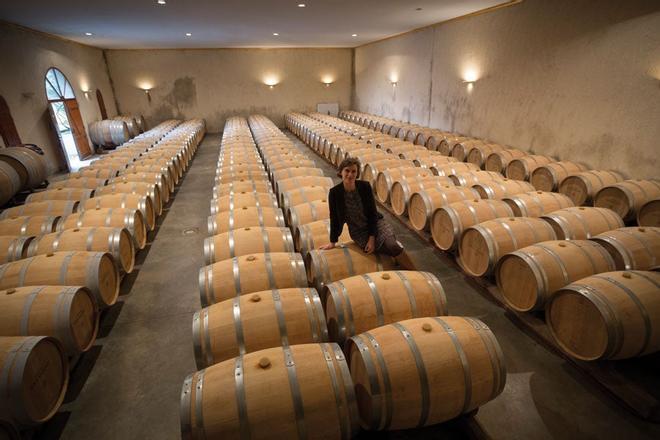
{"x":116,"y":131}
{"x":20,"y":169}
{"x":63,"y":254}
{"x":533,"y":237}
{"x":274,"y":328}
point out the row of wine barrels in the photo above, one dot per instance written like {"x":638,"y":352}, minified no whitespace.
{"x":30,"y":225}
{"x":537,"y":203}
{"x":74,"y":194}
{"x":522,"y":168}
{"x":131,"y":125}
{"x":29,"y":165}
{"x":549,"y":176}
{"x":10,"y":182}
{"x":95,"y":270}
{"x":238,"y":242}
{"x":423,"y":203}
{"x":582,"y":187}
{"x":403,"y":189}
{"x":580,"y":223}
{"x":130,"y":219}
{"x":138,"y":202}
{"x":78,"y":182}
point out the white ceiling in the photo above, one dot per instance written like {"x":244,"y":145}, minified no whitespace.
{"x":132,"y":24}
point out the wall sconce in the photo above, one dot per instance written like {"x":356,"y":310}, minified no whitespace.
{"x":146,"y":91}
{"x":327,"y":83}
{"x":86,"y":93}
{"x":394,"y":83}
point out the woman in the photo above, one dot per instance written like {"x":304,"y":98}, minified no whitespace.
{"x":352,"y":202}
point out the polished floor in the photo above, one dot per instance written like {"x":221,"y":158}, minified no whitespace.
{"x":128,"y":386}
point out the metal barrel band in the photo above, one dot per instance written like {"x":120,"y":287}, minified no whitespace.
{"x":387,"y":384}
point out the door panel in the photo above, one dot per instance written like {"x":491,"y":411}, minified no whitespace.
{"x":99,"y":98}
{"x":7,"y":127}
{"x":78,"y":128}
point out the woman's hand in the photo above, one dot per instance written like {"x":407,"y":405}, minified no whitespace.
{"x":327,"y":247}
{"x":371,"y":245}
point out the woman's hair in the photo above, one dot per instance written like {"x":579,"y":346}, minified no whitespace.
{"x":348,"y":162}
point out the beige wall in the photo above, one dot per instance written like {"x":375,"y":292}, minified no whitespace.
{"x":26,"y":56}
{"x":572,"y":79}
{"x":216,"y":83}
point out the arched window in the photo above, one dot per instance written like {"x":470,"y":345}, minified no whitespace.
{"x":66,"y":117}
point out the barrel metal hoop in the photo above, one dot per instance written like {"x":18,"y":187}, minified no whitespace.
{"x":387,"y":384}
{"x":467,"y":373}
{"x":613,"y":322}
{"x":494,"y":354}
{"x":281,"y":321}
{"x":296,"y":395}
{"x":185,"y":407}
{"x":231,"y":241}
{"x":269,"y":271}
{"x":376,"y":297}
{"x":342,"y":412}
{"x":199,"y":413}
{"x":23,"y":272}
{"x":260,"y":216}
{"x":560,"y":263}
{"x":238,"y":324}
{"x":645,"y":245}
{"x":438,"y":293}
{"x":61,"y":313}
{"x":25,"y":317}
{"x":409,"y":292}
{"x":421,"y":373}
{"x":377,"y":397}
{"x":237,"y":276}
{"x":265,"y":239}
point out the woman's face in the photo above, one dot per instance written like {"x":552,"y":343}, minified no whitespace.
{"x":349,"y":174}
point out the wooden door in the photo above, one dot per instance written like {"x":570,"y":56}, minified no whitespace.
{"x":7,"y":127}
{"x":78,"y":128}
{"x":99,"y":98}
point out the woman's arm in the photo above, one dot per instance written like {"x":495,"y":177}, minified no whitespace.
{"x":336,"y":224}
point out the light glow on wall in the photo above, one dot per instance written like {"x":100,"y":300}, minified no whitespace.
{"x":271,"y":80}
{"x":470,"y":74}
{"x":327,"y":80}
{"x":145,"y":85}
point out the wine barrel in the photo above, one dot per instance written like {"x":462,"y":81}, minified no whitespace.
{"x":109,"y":133}
{"x":449,"y":222}
{"x":298,"y":182}
{"x":67,"y":313}
{"x":370,"y":170}
{"x":549,"y":176}
{"x":171,"y":166}
{"x":386,"y":179}
{"x":245,"y":217}
{"x":94,"y":270}
{"x":463,"y":355}
{"x":141,"y":122}
{"x":49,"y":207}
{"x":314,"y":234}
{"x":301,"y":391}
{"x":29,"y":165}
{"x":35,"y":380}
{"x":461,"y":149}
{"x":403,"y":189}
{"x":307,"y":213}
{"x":469,"y":178}
{"x":235,"y":201}
{"x":13,"y":248}
{"x":131,"y":125}
{"x":649,"y":214}
{"x":522,"y":168}
{"x":612,"y":315}
{"x":250,"y":273}
{"x":245,"y":241}
{"x":627,"y":197}
{"x":168,"y":173}
{"x":499,"y":189}
{"x":75,"y":194}
{"x":498,"y":160}
{"x":343,"y":261}
{"x":633,"y":248}
{"x":239,"y":166}
{"x":358,"y":304}
{"x":537,"y":203}
{"x":278,"y":164}
{"x":140,"y":188}
{"x":305,"y":194}
{"x":241,"y":186}
{"x":156,"y":179}
{"x":124,"y":201}
{"x":529,"y":276}
{"x":479,"y":153}
{"x":447,"y":169}
{"x":582,"y":187}
{"x":239,"y":176}
{"x":118,"y":242}
{"x":265,"y":319}
{"x":131,"y":219}
{"x":581,"y":223}
{"x":78,"y":182}
{"x":483,"y":244}
{"x":424,"y":202}
{"x":10,"y":182}
{"x":29,"y":225}
{"x":97,"y":173}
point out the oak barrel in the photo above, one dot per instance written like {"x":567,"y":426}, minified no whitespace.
{"x":649,"y":214}
{"x":67,"y":313}
{"x":528,"y":277}
{"x":245,"y":217}
{"x":423,"y":203}
{"x":241,"y":186}
{"x":537,"y":203}
{"x":304,"y":194}
{"x":612,"y":315}
{"x":360,"y":303}
{"x":522,"y":168}
{"x":130,"y":219}
{"x":386,"y":179}
{"x":581,"y":222}
{"x":307,"y":213}
{"x":78,"y":182}
{"x":118,"y":242}
{"x":249,"y":240}
{"x":299,"y":391}
{"x":10,"y":182}
{"x":403,"y":189}
{"x":30,"y":225}
{"x":48,"y":207}
{"x":483,"y":244}
{"x":315,"y":234}
{"x":448,"y":222}
{"x":139,"y":188}
{"x":250,"y":273}
{"x":265,"y":319}
{"x":36,"y":378}
{"x":285,"y":185}
{"x":583,"y":186}
{"x":499,"y":189}
{"x":13,"y":248}
{"x":549,"y":176}
{"x":633,"y":248}
{"x":432,"y":369}
{"x":499,"y":160}
{"x":29,"y":165}
{"x":627,"y":197}
{"x":235,"y":201}
{"x":142,"y":203}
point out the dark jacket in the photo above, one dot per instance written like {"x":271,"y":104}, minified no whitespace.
{"x":338,"y":208}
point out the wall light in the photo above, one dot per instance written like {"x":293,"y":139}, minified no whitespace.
{"x":394,"y":83}
{"x":271,"y":81}
{"x":86,"y":93}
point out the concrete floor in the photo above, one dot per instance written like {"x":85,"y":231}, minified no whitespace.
{"x":137,"y":366}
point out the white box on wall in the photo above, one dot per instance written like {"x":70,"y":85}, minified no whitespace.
{"x":328,"y":108}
